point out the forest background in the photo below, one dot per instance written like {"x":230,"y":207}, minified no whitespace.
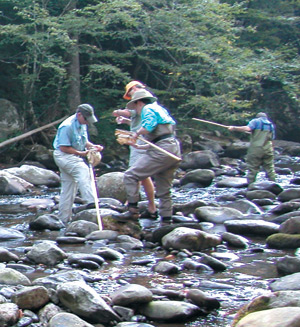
{"x":222,"y":61}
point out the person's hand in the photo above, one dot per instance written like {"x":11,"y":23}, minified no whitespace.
{"x":98,"y":147}
{"x":117,"y":113}
{"x":121,"y":120}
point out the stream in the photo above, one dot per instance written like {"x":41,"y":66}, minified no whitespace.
{"x":248,"y":275}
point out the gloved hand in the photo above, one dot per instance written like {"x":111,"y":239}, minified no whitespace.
{"x":94,"y":157}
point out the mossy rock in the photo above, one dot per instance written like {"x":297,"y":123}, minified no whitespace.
{"x":283,"y":241}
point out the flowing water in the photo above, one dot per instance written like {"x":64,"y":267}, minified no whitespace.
{"x":248,"y":275}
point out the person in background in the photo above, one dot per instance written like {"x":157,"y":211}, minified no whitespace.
{"x":260,"y":152}
{"x":133,"y":119}
{"x":157,"y":127}
{"x":71,"y":146}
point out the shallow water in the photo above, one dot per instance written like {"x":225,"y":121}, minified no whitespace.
{"x":248,"y":275}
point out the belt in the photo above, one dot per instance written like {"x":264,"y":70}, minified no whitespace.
{"x":162,"y":137}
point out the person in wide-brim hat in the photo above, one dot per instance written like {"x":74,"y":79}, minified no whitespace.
{"x":139,"y":95}
{"x":130,"y":86}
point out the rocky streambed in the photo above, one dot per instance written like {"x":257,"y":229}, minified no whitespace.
{"x":228,"y":257}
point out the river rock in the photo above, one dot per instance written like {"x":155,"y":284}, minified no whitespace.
{"x":199,"y":159}
{"x":7,"y":234}
{"x":188,"y":207}
{"x":236,"y":149}
{"x":66,"y":319}
{"x":31,"y":298}
{"x":36,"y":175}
{"x":217,"y":215}
{"x":250,"y":226}
{"x":289,"y":282}
{"x":109,"y":254}
{"x":53,"y":280}
{"x":111,"y":185}
{"x":235,"y":240}
{"x":260,"y":194}
{"x":9,"y":185}
{"x":191,"y":264}
{"x":283,"y":317}
{"x":290,"y":226}
{"x":46,"y":253}
{"x":74,"y":258}
{"x":203,"y":177}
{"x":282,"y":218}
{"x":81,"y":228}
{"x":6,"y":256}
{"x":9,"y":314}
{"x":48,"y":312}
{"x":236,"y":182}
{"x":191,"y":239}
{"x":105,"y":234}
{"x":10,"y":276}
{"x":128,"y":242}
{"x":289,"y":194}
{"x":84,"y":301}
{"x":38,"y":204}
{"x":166,"y":268}
{"x":283,"y":241}
{"x":131,"y":295}
{"x":244,"y":206}
{"x":267,"y":186}
{"x":202,"y":300}
{"x":133,"y":324}
{"x":288,"y":265}
{"x":285,"y":207}
{"x":46,"y":221}
{"x":169,"y":310}
{"x":214,"y":263}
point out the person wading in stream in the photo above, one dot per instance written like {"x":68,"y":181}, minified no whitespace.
{"x":158,"y":127}
{"x":71,"y":146}
{"x":260,"y":152}
{"x":135,"y":153}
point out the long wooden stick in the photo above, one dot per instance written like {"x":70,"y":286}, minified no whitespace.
{"x":119,"y":131}
{"x":20,"y":137}
{"x":94,"y":190}
{"x":210,"y":122}
{"x":213,"y":123}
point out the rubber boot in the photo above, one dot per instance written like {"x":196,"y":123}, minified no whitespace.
{"x":132,"y":214}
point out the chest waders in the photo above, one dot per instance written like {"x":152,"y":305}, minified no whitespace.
{"x":261,"y":153}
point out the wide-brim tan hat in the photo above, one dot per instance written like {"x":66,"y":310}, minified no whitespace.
{"x":129,"y":86}
{"x":139,"y":95}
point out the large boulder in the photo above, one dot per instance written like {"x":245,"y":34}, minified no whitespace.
{"x":111,"y":185}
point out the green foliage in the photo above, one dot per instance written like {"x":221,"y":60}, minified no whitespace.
{"x":217,"y":60}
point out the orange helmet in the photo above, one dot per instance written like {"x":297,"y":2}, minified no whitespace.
{"x":129,"y":86}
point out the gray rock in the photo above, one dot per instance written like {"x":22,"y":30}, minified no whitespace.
{"x":217,"y":215}
{"x":111,"y":185}
{"x":31,"y":298}
{"x":200,"y":176}
{"x":288,"y":265}
{"x":166,"y":268}
{"x":9,"y":314}
{"x":6,"y":256}
{"x":65,"y":319}
{"x":131,"y":294}
{"x":245,"y":207}
{"x":235,"y":240}
{"x":85,"y":302}
{"x":250,"y":226}
{"x":283,"y":317}
{"x":289,"y":282}
{"x":10,"y":276}
{"x":46,"y":253}
{"x":81,"y":228}
{"x":46,"y":221}
{"x":36,"y":175}
{"x":236,"y":182}
{"x":289,"y":194}
{"x":10,"y":234}
{"x":191,"y":239}
{"x":260,"y":194}
{"x":169,"y":310}
{"x":290,"y":226}
{"x":199,"y":159}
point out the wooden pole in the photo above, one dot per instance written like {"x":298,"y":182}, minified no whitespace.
{"x":119,"y":131}
{"x":213,"y":123}
{"x":20,"y":137}
{"x":210,"y":122}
